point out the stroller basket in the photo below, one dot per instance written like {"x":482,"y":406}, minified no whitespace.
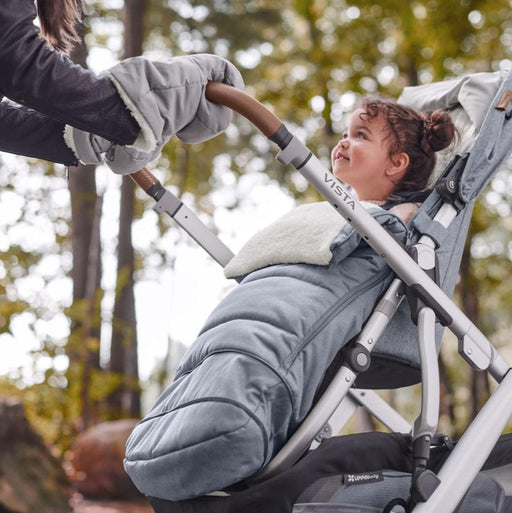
{"x":443,"y":218}
{"x":350,"y":474}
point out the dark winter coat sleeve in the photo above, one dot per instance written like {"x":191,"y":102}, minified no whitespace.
{"x":34,"y":75}
{"x":24,"y":131}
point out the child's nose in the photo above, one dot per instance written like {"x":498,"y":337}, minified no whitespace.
{"x":344,"y":143}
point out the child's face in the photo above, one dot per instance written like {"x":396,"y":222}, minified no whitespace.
{"x":361,"y":158}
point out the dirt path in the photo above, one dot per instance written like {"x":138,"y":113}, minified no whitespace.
{"x":81,"y":505}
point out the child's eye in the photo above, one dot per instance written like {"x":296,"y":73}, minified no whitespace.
{"x":344,"y":135}
{"x":361,"y":135}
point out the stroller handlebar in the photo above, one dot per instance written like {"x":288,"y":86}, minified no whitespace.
{"x":245,"y":105}
{"x":144,"y":178}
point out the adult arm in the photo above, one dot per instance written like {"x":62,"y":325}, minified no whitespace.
{"x":34,"y":75}
{"x":24,"y":131}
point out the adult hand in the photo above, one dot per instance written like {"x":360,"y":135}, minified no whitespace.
{"x":166,"y":98}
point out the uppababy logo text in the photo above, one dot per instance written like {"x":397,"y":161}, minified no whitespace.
{"x":370,"y":477}
{"x":345,"y":196}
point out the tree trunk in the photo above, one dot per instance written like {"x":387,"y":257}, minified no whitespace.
{"x":125,"y":401}
{"x":447,"y":406}
{"x":92,"y":322}
{"x":84,"y":339}
{"x":133,"y":27}
{"x":471,"y":307}
{"x":123,"y":349}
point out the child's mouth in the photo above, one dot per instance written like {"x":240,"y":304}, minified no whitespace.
{"x":340,"y":156}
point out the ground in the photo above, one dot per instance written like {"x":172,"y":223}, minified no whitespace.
{"x":81,"y":505}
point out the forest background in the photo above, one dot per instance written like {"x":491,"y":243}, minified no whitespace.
{"x":84,"y":258}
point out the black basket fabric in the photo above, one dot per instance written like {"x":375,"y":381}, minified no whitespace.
{"x":335,"y":495}
{"x":318,"y":479}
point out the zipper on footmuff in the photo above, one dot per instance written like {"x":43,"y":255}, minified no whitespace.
{"x":335,"y":310}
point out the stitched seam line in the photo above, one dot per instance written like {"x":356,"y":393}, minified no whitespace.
{"x":218,"y":400}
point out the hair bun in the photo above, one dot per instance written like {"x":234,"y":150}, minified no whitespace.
{"x":438,"y":130}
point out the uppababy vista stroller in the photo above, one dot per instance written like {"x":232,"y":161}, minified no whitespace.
{"x":259,"y":400}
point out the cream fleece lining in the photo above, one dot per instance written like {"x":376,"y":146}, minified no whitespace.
{"x":70,"y":142}
{"x":302,"y":236}
{"x":146,"y":140}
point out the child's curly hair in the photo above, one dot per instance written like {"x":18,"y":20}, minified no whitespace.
{"x":418,"y":135}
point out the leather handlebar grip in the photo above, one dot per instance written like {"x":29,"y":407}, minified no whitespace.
{"x":144,"y":178}
{"x":246,"y":105}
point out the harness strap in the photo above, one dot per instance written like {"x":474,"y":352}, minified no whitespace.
{"x":426,"y":226}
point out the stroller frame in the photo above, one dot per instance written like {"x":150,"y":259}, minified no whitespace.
{"x":414,"y":270}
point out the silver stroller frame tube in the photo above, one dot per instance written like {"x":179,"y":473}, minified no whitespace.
{"x":472,"y":450}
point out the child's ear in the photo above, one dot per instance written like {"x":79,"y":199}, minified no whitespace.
{"x":399,"y":165}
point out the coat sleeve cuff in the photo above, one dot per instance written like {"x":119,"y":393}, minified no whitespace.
{"x":146,"y":141}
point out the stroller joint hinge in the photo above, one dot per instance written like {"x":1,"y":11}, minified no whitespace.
{"x":425,"y":483}
{"x":476,"y":350}
{"x":295,"y":153}
{"x":168,"y":203}
{"x":358,"y":358}
{"x":421,"y":450}
{"x":324,"y":434}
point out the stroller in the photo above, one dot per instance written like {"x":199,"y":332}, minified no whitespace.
{"x":393,"y":344}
